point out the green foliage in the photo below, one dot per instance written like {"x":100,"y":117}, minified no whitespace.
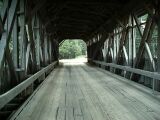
{"x":72,"y":49}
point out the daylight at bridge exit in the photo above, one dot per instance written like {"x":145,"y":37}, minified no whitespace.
{"x":79,"y":59}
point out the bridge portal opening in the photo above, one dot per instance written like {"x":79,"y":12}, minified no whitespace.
{"x":72,"y":49}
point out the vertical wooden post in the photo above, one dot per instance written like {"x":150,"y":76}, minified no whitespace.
{"x":15,"y":45}
{"x":156,"y":83}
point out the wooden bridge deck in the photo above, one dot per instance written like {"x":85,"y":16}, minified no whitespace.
{"x":75,"y":91}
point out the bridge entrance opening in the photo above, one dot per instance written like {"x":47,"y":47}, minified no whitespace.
{"x":71,"y":49}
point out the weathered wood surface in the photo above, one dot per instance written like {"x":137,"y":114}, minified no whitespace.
{"x":80,"y":92}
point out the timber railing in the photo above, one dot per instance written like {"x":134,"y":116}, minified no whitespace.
{"x":154,"y":75}
{"x":11,"y":94}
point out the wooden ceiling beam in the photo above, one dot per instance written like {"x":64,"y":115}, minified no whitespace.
{"x":87,"y":11}
{"x":38,"y":6}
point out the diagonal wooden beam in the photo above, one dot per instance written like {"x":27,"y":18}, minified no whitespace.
{"x":108,"y":45}
{"x":1,"y":26}
{"x":137,"y":24}
{"x":101,"y":41}
{"x":61,"y":43}
{"x":152,"y":15}
{"x":150,"y":56}
{"x":6,"y":36}
{"x":3,"y":11}
{"x":147,"y":34}
{"x":99,"y":45}
{"x":27,"y":56}
{"x":122,"y":43}
{"x":145,"y":38}
{"x":125,"y":54}
{"x":32,"y":41}
{"x":14,"y":77}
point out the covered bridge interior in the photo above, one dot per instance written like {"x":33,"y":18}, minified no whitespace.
{"x":122,"y":37}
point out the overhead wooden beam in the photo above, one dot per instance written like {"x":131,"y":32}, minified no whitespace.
{"x":77,"y":20}
{"x":75,"y":17}
{"x":99,"y":3}
{"x":38,"y":6}
{"x":87,"y":11}
{"x":57,"y":11}
{"x":71,"y":28}
{"x":98,"y":29}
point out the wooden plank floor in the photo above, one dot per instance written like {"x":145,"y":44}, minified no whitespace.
{"x":75,"y":91}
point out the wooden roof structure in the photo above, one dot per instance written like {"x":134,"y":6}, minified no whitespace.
{"x":84,"y":18}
